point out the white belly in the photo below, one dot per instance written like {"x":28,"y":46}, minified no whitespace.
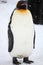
{"x":23,"y":38}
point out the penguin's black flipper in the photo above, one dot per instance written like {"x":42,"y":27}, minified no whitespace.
{"x":10,"y":35}
{"x":10,"y":39}
{"x":34,"y":41}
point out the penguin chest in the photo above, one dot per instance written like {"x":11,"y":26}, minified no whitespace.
{"x":23,"y":36}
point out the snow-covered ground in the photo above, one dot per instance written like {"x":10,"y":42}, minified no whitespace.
{"x":5,"y":59}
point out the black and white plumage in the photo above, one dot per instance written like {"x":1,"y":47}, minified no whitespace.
{"x":21,"y":32}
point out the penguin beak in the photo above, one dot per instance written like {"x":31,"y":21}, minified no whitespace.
{"x":23,"y":4}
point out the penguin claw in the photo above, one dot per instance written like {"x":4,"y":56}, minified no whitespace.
{"x":31,"y":62}
{"x":16,"y":63}
{"x":28,"y":62}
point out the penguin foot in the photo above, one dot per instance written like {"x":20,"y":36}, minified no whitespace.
{"x":28,"y":62}
{"x":15,"y":61}
{"x":25,"y":60}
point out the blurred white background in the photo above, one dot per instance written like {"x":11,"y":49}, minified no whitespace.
{"x":5,"y":59}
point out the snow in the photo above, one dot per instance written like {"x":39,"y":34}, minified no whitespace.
{"x":5,"y":58}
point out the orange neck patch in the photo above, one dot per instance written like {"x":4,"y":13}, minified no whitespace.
{"x":22,"y":11}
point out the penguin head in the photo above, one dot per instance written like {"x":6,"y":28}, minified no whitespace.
{"x":21,"y":5}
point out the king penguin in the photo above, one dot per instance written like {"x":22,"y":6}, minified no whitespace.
{"x":21,"y":37}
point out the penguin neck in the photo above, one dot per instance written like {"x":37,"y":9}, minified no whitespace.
{"x":22,"y":10}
